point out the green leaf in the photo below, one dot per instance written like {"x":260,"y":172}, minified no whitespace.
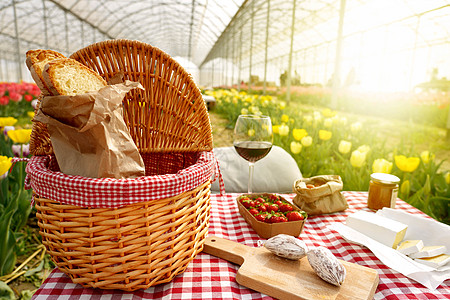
{"x":35,"y":270}
{"x":7,"y":244}
{"x":6,"y":293}
{"x":26,"y":295}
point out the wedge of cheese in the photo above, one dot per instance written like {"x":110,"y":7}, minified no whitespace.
{"x":410,"y":246}
{"x":384,"y":230}
{"x":435,"y":261}
{"x":429,"y":251}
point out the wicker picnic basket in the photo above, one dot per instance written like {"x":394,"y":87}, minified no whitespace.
{"x":143,"y":243}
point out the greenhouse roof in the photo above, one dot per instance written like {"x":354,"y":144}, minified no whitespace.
{"x":246,"y":33}
{"x":179,"y":27}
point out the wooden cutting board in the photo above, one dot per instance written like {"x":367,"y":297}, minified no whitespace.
{"x":282,"y":278}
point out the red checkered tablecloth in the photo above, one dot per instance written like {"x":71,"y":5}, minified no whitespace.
{"x":208,"y":277}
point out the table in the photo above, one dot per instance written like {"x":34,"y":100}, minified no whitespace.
{"x":208,"y":277}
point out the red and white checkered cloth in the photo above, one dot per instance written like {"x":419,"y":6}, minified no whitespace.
{"x":111,"y":192}
{"x":209,"y":277}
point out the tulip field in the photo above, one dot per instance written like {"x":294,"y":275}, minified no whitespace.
{"x":23,"y":261}
{"x":323,"y":141}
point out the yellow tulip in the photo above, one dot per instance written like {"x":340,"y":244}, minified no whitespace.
{"x":357,"y":159}
{"x":284,"y":118}
{"x":283,"y":130}
{"x":276,"y":129}
{"x":253,"y":109}
{"x":325,"y":135}
{"x":31,"y":114}
{"x":20,"y":136}
{"x":381,"y":165}
{"x":405,"y":187}
{"x":7,"y":121}
{"x":282,"y":105}
{"x":426,"y":156}
{"x":447,"y":177}
{"x":5,"y":164}
{"x":407,"y":164}
{"x":244,"y":111}
{"x":298,"y":134}
{"x":355,"y":127}
{"x":296,"y":147}
{"x":306,"y":141}
{"x":328,"y":113}
{"x":317,"y":117}
{"x":251,"y":132}
{"x":308,"y":119}
{"x":345,"y":147}
{"x":363,"y":148}
{"x":328,"y":123}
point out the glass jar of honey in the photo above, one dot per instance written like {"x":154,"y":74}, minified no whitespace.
{"x":383,"y":190}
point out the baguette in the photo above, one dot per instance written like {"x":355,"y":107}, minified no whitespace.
{"x":66,"y":76}
{"x":36,"y":61}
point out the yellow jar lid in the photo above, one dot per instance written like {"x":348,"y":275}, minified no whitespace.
{"x":385,"y":178}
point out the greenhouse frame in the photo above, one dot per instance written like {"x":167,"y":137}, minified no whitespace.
{"x":257,"y":42}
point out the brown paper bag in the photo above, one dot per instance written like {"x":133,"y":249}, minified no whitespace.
{"x":88,"y":133}
{"x":324,"y":198}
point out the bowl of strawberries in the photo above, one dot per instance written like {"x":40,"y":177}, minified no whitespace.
{"x":271,"y":214}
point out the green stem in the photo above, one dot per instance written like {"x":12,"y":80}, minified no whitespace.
{"x":21,"y":179}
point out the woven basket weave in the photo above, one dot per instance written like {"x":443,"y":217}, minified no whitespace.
{"x":147,"y":243}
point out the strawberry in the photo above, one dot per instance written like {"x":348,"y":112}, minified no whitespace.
{"x":248,"y":203}
{"x":272,"y":219}
{"x":262,"y":207}
{"x":278,"y":202}
{"x":273,"y":197}
{"x":294,"y":216}
{"x":261,"y":216}
{"x":282,"y":218}
{"x":260,"y":200}
{"x":253,"y":211}
{"x":272,"y":207}
{"x":277,"y":218}
{"x":286,"y":207}
{"x":242,"y":199}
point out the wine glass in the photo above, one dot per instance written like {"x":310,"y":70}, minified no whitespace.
{"x":252,"y":140}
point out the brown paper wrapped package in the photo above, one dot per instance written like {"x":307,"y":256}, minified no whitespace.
{"x":88,"y":133}
{"x":323,"y":199}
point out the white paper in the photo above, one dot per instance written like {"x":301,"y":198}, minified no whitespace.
{"x":429,"y":231}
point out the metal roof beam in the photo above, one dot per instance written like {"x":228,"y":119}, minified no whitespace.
{"x":80,"y":18}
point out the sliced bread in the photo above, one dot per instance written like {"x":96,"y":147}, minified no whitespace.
{"x":67,"y":76}
{"x":36,"y":61}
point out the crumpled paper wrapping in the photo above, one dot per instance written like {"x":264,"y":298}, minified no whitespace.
{"x":88,"y":133}
{"x":430,"y":231}
{"x":324,"y":199}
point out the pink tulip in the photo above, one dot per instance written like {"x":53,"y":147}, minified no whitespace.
{"x":16,"y":149}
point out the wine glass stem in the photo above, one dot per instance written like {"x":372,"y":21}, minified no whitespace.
{"x":250,"y":176}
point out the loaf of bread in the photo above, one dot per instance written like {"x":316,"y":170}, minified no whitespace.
{"x":67,"y":76}
{"x":36,"y":61}
{"x":56,"y":74}
{"x":84,"y":118}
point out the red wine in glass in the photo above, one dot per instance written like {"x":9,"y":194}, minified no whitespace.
{"x":252,"y":140}
{"x":253,"y":150}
